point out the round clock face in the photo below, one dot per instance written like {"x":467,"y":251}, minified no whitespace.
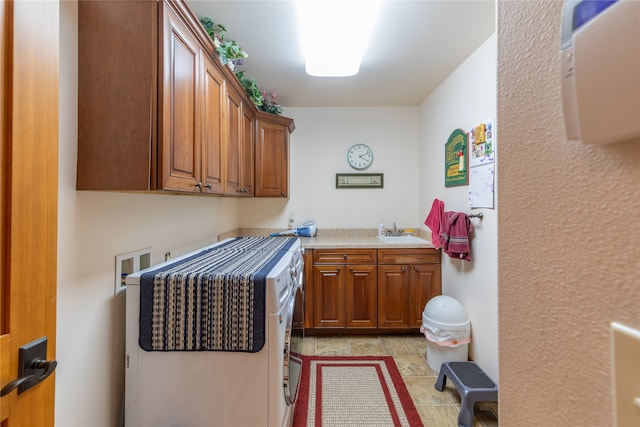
{"x":360,"y":156}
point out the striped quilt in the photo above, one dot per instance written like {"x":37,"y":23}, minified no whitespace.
{"x":211,"y":301}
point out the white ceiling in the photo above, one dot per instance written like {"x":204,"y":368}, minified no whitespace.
{"x":417,"y":44}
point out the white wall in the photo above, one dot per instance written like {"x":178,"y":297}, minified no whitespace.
{"x":319,"y":150}
{"x":465,"y":99}
{"x":93,"y":227}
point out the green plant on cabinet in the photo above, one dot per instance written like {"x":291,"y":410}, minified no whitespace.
{"x":231,"y":54}
{"x":228,"y":50}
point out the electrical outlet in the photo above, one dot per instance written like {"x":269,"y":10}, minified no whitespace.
{"x":130,"y":263}
{"x":625,"y":349}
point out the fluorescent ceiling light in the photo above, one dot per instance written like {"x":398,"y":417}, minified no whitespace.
{"x":334,"y":34}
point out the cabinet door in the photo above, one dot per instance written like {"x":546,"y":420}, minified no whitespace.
{"x":424,"y":284}
{"x":232,"y":143}
{"x":328,"y":297}
{"x":117,"y":95}
{"x":393,"y":291}
{"x":272,"y":159}
{"x":179,"y":153}
{"x":246,"y":153}
{"x":308,"y":288}
{"x":213,"y":92}
{"x":361,"y":296}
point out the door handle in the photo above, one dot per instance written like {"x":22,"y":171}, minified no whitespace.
{"x":31,"y":360}
{"x":30,"y":380}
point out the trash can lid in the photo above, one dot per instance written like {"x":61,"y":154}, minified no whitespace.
{"x":445,"y":312}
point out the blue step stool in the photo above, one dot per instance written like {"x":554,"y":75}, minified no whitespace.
{"x":472,"y":384}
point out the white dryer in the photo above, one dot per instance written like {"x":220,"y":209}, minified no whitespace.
{"x":219,"y":388}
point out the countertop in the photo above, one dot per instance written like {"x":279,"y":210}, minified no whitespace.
{"x":338,"y":238}
{"x":356,"y":242}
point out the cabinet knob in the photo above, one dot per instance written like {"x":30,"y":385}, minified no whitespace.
{"x":338,"y":269}
{"x":208,"y":186}
{"x":344,"y":256}
{"x":404,"y":269}
{"x":198,"y":186}
{"x":283,"y":194}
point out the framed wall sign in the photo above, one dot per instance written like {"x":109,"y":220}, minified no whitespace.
{"x":359,"y":180}
{"x":455,"y":159}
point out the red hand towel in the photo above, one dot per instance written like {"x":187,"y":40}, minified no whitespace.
{"x":455,"y":235}
{"x":434,"y":222}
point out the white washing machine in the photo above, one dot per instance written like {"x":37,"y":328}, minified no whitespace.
{"x":218,"y":388}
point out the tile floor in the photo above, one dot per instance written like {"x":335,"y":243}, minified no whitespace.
{"x":437,"y":409}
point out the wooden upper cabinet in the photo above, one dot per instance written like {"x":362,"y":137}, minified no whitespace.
{"x":247,"y":152}
{"x":180,"y":153}
{"x":213,"y":101}
{"x":238,"y":144}
{"x":117,"y":95}
{"x":157,"y":111}
{"x":272,"y":155}
{"x":232,"y":148}
{"x":139,"y":97}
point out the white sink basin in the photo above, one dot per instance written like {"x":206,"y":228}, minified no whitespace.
{"x":401,"y":239}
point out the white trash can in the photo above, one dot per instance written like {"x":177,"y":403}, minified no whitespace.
{"x":446,"y":326}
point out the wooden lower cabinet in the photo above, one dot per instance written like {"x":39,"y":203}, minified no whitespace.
{"x":342,"y":292}
{"x":403,"y":291}
{"x":407,"y":279}
{"x":369,"y":288}
{"x":345,"y":296}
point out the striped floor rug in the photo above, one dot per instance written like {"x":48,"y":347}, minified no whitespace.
{"x":349,"y":391}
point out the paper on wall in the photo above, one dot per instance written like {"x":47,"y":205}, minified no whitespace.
{"x":481,"y":179}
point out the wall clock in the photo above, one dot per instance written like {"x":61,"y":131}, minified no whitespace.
{"x":360,"y":156}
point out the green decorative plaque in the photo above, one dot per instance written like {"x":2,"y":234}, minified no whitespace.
{"x":455,"y":159}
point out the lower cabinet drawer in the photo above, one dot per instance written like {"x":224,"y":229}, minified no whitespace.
{"x":408,"y":256}
{"x":344,"y":256}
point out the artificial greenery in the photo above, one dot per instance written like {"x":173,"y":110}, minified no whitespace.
{"x":251,"y":88}
{"x":228,"y":50}
{"x":230,"y":53}
{"x":269,"y":104}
